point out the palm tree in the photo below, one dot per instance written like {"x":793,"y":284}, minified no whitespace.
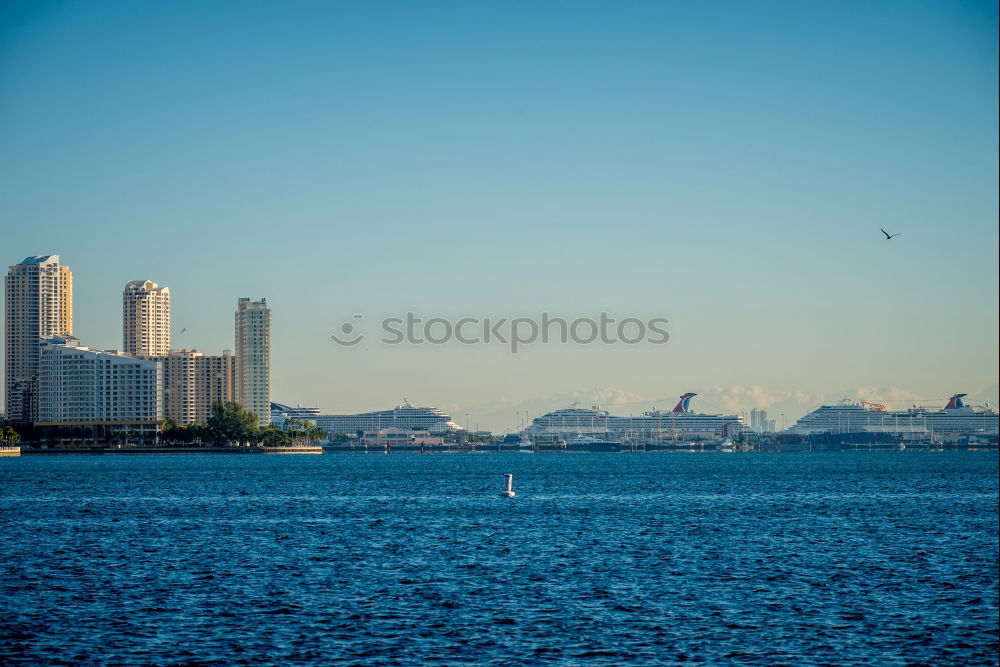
{"x":10,"y":436}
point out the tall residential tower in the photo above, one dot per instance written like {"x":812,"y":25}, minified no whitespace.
{"x":192,"y":382}
{"x":145,"y":319}
{"x":39,"y":303}
{"x":253,"y":358}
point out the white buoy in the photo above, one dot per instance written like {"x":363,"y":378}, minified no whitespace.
{"x":508,"y":490}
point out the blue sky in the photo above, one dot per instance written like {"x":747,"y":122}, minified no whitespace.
{"x":723,"y":164}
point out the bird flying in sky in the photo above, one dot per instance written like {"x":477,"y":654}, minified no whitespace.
{"x":888,"y":235}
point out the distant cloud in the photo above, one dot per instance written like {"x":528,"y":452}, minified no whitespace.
{"x":610,"y":396}
{"x":893,"y":397}
{"x":989,"y":395}
{"x":737,"y":398}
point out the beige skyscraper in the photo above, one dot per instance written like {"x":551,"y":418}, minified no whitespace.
{"x":38,"y":296}
{"x":253,"y":358}
{"x":145,"y":319}
{"x":192,"y":382}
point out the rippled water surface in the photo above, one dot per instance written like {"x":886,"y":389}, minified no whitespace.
{"x":798,"y":558}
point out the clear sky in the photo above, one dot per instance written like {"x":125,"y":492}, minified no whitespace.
{"x":724,"y":164}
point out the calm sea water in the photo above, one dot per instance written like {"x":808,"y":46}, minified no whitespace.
{"x":726,"y":558}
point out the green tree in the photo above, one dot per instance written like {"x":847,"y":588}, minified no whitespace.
{"x":10,"y":436}
{"x":274,"y":436}
{"x":301,"y":430}
{"x":174,"y":433}
{"x":196,"y":433}
{"x":296,"y":428}
{"x":231,"y":423}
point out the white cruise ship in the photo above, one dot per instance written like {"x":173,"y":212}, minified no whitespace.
{"x":402,"y":416}
{"x":570,"y":421}
{"x":281,"y":414}
{"x":952,"y":421}
{"x":680,"y":424}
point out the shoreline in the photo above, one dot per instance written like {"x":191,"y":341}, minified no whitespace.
{"x":317,"y":449}
{"x":304,"y":449}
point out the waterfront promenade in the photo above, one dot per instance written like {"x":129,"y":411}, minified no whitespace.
{"x":295,"y":449}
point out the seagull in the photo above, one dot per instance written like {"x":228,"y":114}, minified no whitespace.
{"x":184,"y":329}
{"x":888,"y":235}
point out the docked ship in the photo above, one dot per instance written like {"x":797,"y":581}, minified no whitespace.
{"x":954,"y":422}
{"x":679,"y":424}
{"x":282,"y":414}
{"x":403,"y":416}
{"x":570,"y":422}
{"x":588,"y":443}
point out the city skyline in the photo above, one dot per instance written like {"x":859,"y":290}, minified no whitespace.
{"x":730,"y":174}
{"x":537,"y":333}
{"x":192,"y":369}
{"x":145,"y":386}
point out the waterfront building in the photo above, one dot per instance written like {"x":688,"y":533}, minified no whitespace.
{"x":104,"y":389}
{"x":404,"y":416}
{"x":281,"y":414}
{"x":191,"y":382}
{"x":253,"y":358}
{"x":395,"y":437}
{"x":759,"y":421}
{"x":679,"y":425}
{"x":145,"y":319}
{"x":38,"y":300}
{"x":953,"y":422}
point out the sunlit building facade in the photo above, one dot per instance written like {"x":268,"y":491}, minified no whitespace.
{"x":38,"y":299}
{"x":253,"y":358}
{"x":78,"y":386}
{"x":191,"y":382}
{"x":145,"y":319}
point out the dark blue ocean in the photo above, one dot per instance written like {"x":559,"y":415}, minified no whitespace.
{"x":887,"y":558}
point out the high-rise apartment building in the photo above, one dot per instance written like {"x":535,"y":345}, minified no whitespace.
{"x":38,"y":295}
{"x":759,"y":421}
{"x":105,"y":390}
{"x":192,"y":382}
{"x":253,"y":358}
{"x":145,"y":319}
